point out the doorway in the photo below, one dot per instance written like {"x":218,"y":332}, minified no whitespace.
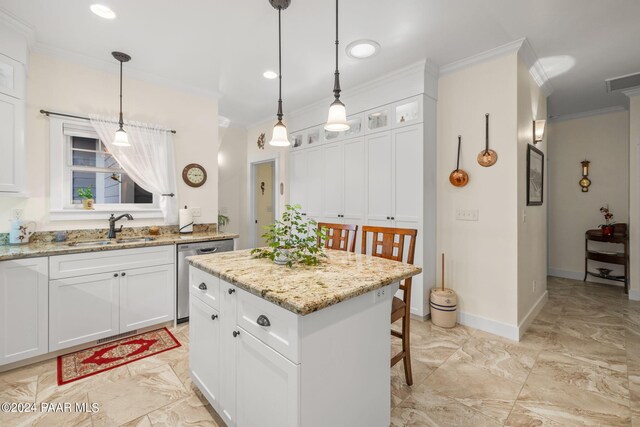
{"x":264,"y":199}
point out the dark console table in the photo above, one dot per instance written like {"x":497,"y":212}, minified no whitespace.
{"x":613,"y":256}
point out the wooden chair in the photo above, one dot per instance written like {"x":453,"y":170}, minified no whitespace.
{"x":339,"y":236}
{"x":389,"y":243}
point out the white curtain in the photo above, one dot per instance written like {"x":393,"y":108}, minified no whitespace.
{"x":148,"y":160}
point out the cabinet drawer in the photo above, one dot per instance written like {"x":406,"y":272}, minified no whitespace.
{"x":282,"y":334}
{"x":205,"y":287}
{"x":63,"y":266}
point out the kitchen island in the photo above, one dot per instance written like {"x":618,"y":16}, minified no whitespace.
{"x":302,"y":346}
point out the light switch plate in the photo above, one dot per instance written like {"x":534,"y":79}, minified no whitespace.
{"x":467,"y":214}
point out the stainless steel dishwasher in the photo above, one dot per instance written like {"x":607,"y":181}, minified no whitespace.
{"x":189,"y":249}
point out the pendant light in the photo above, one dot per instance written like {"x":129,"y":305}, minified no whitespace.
{"x":121,"y":139}
{"x":337,"y":120}
{"x":279,"y":137}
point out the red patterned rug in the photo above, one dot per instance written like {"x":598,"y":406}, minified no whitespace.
{"x":92,"y":361}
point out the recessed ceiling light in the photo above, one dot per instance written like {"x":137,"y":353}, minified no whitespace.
{"x":270,"y":75}
{"x":102,"y":11}
{"x":361,"y":49}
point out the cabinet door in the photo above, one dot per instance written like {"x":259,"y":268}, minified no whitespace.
{"x":314,"y":183}
{"x":333,"y":176}
{"x":407,"y":112}
{"x":297,"y":178}
{"x":83,"y":309}
{"x":268,"y":386}
{"x":12,"y":145}
{"x":228,"y":360}
{"x":146,"y":296}
{"x":407,"y":157}
{"x":354,"y":180}
{"x":379,"y":185}
{"x":24,"y":287}
{"x":204,"y":349}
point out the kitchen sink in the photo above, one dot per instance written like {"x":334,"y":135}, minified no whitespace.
{"x":90,"y":243}
{"x":136,"y":240}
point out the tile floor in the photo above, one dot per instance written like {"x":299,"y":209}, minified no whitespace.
{"x":579,"y":364}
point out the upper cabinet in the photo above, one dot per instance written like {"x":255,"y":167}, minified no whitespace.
{"x":306,"y":138}
{"x":407,"y":112}
{"x":378,"y":119}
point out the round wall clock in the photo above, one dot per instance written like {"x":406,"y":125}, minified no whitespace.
{"x":194,"y":175}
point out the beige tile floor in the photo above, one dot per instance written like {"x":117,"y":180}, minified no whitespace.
{"x":579,"y":364}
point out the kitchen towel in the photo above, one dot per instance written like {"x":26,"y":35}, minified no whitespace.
{"x":186,"y":221}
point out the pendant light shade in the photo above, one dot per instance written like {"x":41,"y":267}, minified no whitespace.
{"x":337,"y":120}
{"x":279,"y":137}
{"x":121,"y":138}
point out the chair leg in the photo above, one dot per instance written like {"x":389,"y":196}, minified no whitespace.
{"x":406,"y":346}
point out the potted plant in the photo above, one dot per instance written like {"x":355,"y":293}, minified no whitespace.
{"x":292,"y":240}
{"x":87,"y":197}
{"x":608,"y":226}
{"x":222,"y":220}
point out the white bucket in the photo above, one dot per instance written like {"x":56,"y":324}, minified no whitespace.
{"x":444,"y":307}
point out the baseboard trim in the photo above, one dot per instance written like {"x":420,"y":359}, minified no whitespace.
{"x":532,"y":314}
{"x":566,"y":274}
{"x":634,"y":295}
{"x":488,"y":325}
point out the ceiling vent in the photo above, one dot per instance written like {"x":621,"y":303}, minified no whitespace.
{"x":622,"y":83}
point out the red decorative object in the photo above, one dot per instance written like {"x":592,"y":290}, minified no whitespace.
{"x":101,"y":358}
{"x":607,"y":230}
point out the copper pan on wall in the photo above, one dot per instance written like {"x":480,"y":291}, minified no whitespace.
{"x":487,"y":157}
{"x":458,"y":177}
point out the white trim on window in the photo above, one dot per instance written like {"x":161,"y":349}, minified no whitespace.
{"x":61,"y":206}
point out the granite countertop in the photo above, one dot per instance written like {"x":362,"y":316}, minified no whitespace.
{"x":302,"y":289}
{"x":37,"y":249}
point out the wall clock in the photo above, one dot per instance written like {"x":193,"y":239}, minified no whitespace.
{"x":194,"y":175}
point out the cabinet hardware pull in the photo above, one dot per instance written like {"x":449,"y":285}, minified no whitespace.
{"x":123,"y":274}
{"x":231,"y":291}
{"x":236,"y":333}
{"x":263,"y":321}
{"x":388,"y":217}
{"x":214,"y":316}
{"x":202,"y":286}
{"x":115,"y":274}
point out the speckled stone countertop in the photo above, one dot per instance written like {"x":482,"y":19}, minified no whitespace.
{"x":303,"y":289}
{"x":41,"y":248}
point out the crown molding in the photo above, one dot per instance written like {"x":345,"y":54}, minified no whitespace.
{"x":112,"y":68}
{"x":590,"y":113}
{"x":522,"y":47}
{"x":632,"y":92}
{"x":20,"y":26}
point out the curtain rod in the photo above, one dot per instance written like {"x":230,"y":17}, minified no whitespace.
{"x":53,"y":113}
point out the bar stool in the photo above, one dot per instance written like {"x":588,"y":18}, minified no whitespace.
{"x":389,"y":243}
{"x":339,"y":236}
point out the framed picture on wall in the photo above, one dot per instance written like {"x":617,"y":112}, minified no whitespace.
{"x":535,"y":176}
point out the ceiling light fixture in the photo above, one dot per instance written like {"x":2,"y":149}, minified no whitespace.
{"x":270,"y":75}
{"x":121,"y":139}
{"x":102,"y":11}
{"x":361,"y":49}
{"x":279,"y":137}
{"x":337,"y":120}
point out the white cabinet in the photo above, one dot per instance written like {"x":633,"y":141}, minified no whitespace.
{"x":344,"y":181}
{"x":204,"y":348}
{"x":306,"y":181}
{"x":100,"y":294}
{"x":23,"y":309}
{"x":146,"y":297}
{"x":267,"y":386}
{"x":333,"y":177}
{"x":83,"y":309}
{"x":228,"y":359}
{"x":380,"y":182}
{"x":12,"y":144}
{"x":407,"y":112}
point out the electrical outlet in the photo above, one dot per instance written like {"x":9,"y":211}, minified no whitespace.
{"x":534,"y":286}
{"x":467,"y":214}
{"x":524,"y":215}
{"x":196,"y":212}
{"x":17,"y":214}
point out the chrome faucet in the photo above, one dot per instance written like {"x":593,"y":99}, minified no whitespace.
{"x":112,"y":224}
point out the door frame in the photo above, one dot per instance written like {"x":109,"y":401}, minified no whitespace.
{"x":252,"y":195}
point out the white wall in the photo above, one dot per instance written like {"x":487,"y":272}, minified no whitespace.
{"x":481,"y":256}
{"x":532,"y":220}
{"x":604,"y":141}
{"x":232,"y":164}
{"x":634,"y":192}
{"x":58,"y":85}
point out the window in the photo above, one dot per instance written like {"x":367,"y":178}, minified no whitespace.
{"x":80,"y":160}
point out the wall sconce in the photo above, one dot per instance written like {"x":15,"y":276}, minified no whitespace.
{"x":539,"y":127}
{"x":585,"y":182}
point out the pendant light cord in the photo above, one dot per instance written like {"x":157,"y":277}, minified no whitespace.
{"x":336,"y":84}
{"x":121,"y":122}
{"x":279,"y":64}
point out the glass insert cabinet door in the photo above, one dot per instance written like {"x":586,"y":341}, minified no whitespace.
{"x":408,"y":111}
{"x":296,"y":140}
{"x":378,"y":119}
{"x":355,"y":128}
{"x":313,"y":136}
{"x":11,"y":79}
